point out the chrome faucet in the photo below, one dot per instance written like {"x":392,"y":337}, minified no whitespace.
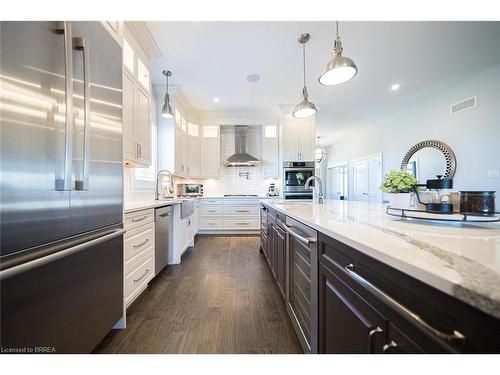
{"x":171,"y":183}
{"x":318,"y":185}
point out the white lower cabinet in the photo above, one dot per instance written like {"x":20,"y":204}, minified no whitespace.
{"x":138,"y":253}
{"x":228,"y":215}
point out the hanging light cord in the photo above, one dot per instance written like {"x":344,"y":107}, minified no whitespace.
{"x":166,"y":92}
{"x":304,"y":61}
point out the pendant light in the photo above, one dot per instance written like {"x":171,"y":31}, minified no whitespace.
{"x":305,"y":108}
{"x":167,"y":111}
{"x":319,"y":153}
{"x":340,"y":69}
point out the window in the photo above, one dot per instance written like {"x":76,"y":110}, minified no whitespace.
{"x":210,"y":131}
{"x":128,"y":57}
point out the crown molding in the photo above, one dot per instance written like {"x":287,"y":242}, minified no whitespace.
{"x":143,"y":36}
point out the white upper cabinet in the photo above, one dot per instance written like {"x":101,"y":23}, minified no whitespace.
{"x":270,"y":155}
{"x":193,"y":130}
{"x":136,"y":109}
{"x":193,"y":156}
{"x":297,"y":139}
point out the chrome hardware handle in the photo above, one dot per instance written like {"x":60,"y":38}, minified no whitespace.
{"x":142,"y":243}
{"x":242,"y":211}
{"x":456,"y":336}
{"x":142,"y":276}
{"x":371,"y":334}
{"x":242,"y":223}
{"x":212,"y":211}
{"x":81,"y":44}
{"x":298,"y":237}
{"x":140,"y":150}
{"x":65,"y":29}
{"x":138,"y":220}
{"x":387,"y":347}
{"x":13,"y":271}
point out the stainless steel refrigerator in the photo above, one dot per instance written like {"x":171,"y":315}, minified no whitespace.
{"x":61,"y":184}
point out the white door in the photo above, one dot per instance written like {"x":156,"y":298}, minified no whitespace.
{"x":367,"y":175}
{"x":338,"y":182}
{"x":129,"y":150}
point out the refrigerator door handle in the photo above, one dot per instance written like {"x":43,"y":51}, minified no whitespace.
{"x":64,"y":28}
{"x":24,"y":267}
{"x":82,"y":44}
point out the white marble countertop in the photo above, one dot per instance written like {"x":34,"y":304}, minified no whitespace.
{"x":460,"y":259}
{"x":238,"y":197}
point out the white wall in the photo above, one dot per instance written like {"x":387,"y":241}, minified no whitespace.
{"x":474,"y":135}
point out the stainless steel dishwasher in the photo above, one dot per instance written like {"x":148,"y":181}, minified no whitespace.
{"x":163,"y":236}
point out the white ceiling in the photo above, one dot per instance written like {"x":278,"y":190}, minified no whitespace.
{"x":213,"y":59}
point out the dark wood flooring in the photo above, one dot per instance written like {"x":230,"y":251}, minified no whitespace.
{"x":221,"y":299}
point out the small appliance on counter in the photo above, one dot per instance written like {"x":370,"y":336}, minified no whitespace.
{"x":190,"y":190}
{"x":272,"y":191}
{"x":437,"y":202}
{"x":477,"y":203}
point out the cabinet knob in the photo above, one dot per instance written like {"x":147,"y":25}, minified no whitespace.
{"x":388,"y":348}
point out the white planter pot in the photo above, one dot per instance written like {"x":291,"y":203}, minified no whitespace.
{"x":400,"y":200}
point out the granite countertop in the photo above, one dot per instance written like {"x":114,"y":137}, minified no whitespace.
{"x":460,"y":259}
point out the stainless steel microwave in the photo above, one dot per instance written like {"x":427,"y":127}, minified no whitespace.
{"x":190,"y":190}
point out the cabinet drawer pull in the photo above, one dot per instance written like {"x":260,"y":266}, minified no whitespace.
{"x":242,"y":210}
{"x":242,"y":223}
{"x":298,"y":237}
{"x":142,"y":276}
{"x":138,"y":220}
{"x":386,"y":349}
{"x":456,"y":336}
{"x":372,"y":333}
{"x":212,"y":211}
{"x":142,"y":243}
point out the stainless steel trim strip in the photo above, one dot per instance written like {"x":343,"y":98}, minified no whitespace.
{"x":456,"y":336}
{"x":13,"y":271}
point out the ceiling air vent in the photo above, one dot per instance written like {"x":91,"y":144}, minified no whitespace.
{"x":463,"y":105}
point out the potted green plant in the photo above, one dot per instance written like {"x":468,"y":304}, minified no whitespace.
{"x":399,"y":185}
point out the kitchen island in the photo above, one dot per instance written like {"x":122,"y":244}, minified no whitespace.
{"x":422,"y":274}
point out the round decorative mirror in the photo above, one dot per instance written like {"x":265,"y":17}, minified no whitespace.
{"x":428,"y":159}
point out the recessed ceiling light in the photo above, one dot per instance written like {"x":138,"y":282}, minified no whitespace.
{"x":252,"y":78}
{"x":395,"y":87}
{"x":216,"y":99}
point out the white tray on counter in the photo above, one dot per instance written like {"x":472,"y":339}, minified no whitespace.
{"x":413,"y":213}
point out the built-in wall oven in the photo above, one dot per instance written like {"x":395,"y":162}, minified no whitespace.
{"x":295,"y":175}
{"x":302,"y":282}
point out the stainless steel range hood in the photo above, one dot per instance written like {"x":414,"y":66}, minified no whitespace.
{"x":241,"y":158}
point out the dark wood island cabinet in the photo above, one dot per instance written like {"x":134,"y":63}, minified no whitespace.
{"x":364,"y":305}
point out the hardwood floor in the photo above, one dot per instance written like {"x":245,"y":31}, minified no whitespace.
{"x":220,"y":299}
